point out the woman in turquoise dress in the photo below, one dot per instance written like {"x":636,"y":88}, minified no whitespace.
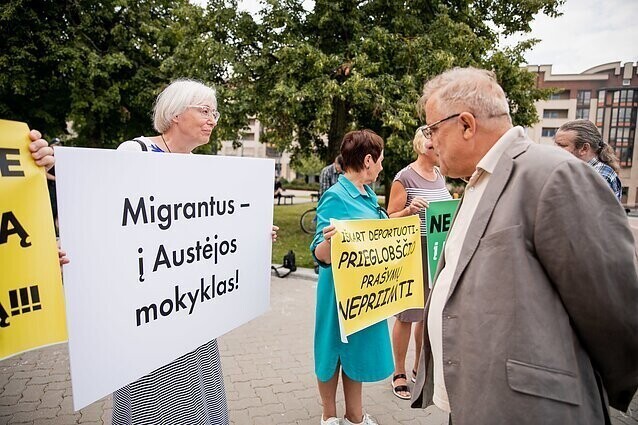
{"x":367,"y":357}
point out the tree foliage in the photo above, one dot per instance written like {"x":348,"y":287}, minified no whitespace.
{"x":98,"y":65}
{"x":306,"y":75}
{"x":308,"y":164}
{"x":212,"y":44}
{"x":120,"y":47}
{"x":32,"y":64}
{"x":361,"y":64}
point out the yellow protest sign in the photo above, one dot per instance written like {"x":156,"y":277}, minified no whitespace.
{"x":31,"y":298}
{"x":377,"y":269}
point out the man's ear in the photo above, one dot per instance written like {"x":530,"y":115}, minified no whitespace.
{"x":469,"y":125}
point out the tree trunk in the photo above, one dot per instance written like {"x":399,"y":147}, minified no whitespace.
{"x":387,"y":184}
{"x":338,"y":124}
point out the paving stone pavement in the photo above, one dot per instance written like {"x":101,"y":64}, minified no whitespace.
{"x":268,"y":371}
{"x":269,"y":368}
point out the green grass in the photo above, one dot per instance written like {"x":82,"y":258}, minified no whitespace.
{"x":290,"y":236}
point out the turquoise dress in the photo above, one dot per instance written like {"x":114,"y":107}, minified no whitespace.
{"x":367,"y":357}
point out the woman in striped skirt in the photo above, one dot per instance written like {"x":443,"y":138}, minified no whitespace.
{"x":413,"y":188}
{"x":190,"y":389}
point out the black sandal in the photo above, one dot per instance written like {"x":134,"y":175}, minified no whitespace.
{"x":401,"y":388}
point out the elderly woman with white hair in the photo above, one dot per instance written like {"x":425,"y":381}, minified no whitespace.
{"x":413,"y":188}
{"x":189,"y":390}
{"x":185,"y":114}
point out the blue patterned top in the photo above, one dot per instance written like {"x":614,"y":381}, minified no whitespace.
{"x":608,"y":174}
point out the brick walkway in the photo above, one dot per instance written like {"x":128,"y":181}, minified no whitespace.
{"x":268,"y":370}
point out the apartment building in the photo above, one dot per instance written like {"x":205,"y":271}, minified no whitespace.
{"x":606,"y":95}
{"x":252,"y":146}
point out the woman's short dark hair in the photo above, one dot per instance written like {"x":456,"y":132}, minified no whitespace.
{"x":356,"y":145}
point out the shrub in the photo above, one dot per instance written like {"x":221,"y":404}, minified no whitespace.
{"x":300,"y":184}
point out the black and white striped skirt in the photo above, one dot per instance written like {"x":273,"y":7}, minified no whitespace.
{"x":189,"y":391}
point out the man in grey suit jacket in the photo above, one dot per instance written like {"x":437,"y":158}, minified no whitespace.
{"x":533,"y":318}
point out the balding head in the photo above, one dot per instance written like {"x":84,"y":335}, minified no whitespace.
{"x":467,"y":89}
{"x":467,"y":112}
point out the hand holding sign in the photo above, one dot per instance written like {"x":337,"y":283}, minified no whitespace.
{"x":41,"y":152}
{"x":377,"y":270}
{"x":31,"y":302}
{"x":417,"y":204}
{"x":329,"y":232}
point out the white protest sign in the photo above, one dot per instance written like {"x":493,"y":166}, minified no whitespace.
{"x":167,"y":252}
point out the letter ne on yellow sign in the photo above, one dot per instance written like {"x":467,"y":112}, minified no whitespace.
{"x":31,"y":296}
{"x":377,"y":269}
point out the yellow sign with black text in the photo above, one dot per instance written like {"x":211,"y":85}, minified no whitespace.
{"x":377,"y":270}
{"x":31,"y":296}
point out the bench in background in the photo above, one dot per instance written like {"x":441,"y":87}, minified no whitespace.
{"x":286,"y":198}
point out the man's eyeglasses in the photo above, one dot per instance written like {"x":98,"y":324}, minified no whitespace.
{"x":427,"y":129}
{"x":207,"y":111}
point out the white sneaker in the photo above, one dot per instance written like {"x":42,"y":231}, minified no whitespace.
{"x":367,"y":420}
{"x":331,"y":421}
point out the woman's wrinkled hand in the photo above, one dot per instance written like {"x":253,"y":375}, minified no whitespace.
{"x":329,"y":232}
{"x":41,"y":152}
{"x":417,"y":204}
{"x":62,"y":257}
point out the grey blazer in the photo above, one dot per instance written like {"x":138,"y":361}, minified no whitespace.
{"x":541,"y":322}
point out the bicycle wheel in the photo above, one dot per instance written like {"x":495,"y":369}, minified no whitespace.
{"x":308,"y":221}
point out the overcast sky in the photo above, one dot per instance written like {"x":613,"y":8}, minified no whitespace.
{"x":590,"y":33}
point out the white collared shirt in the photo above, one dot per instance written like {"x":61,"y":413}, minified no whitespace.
{"x":471,"y":198}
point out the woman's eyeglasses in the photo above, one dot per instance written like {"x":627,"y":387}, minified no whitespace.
{"x":207,"y":112}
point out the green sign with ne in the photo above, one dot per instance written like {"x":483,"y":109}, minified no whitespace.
{"x":439,"y":215}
